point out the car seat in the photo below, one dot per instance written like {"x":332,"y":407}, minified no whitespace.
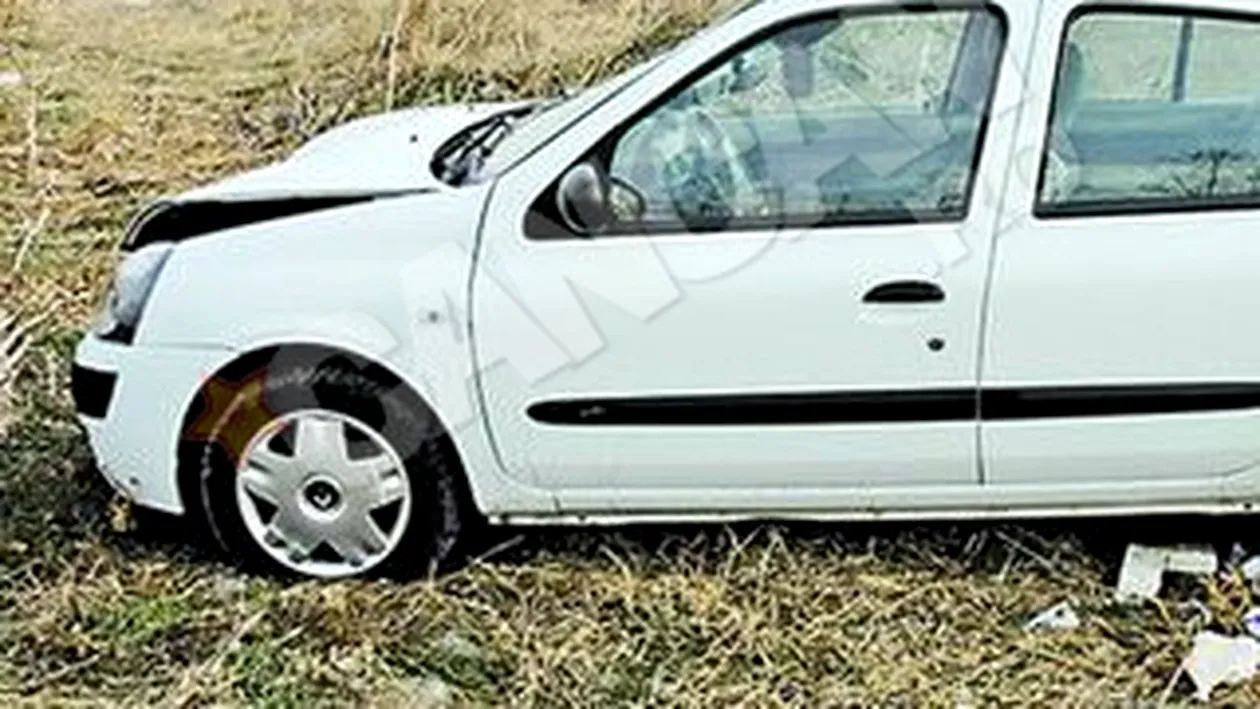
{"x":1063,"y":167}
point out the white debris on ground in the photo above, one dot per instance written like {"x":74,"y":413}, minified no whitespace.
{"x":431,"y":693}
{"x":1142,"y":571}
{"x":1061,"y":616}
{"x":1251,"y":568}
{"x":1215,"y":659}
{"x":454,"y":644}
{"x":1218,"y":659}
{"x":10,"y":79}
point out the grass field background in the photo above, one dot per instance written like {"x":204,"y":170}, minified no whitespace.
{"x":105,"y":104}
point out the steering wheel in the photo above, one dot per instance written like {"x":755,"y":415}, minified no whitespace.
{"x":700,"y":169}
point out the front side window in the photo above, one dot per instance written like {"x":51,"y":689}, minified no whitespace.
{"x":841,"y":119}
{"x":1153,"y":112}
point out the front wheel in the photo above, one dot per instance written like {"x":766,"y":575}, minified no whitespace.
{"x":327,"y":471}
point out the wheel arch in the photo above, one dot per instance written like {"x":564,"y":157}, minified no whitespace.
{"x":236,"y":373}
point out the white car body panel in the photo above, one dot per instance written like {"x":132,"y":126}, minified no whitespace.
{"x":440,"y":286}
{"x":1150,"y":299}
{"x":136,"y":447}
{"x":408,"y":256}
{"x":745,"y":312}
{"x":379,"y":155}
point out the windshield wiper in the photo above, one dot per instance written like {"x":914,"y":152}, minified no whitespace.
{"x":464,"y":157}
{"x":460,"y":159}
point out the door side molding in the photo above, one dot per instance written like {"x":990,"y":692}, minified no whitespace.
{"x":896,"y":406}
{"x":762,"y":409}
{"x":1117,"y":400}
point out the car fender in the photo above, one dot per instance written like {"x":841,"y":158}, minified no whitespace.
{"x":385,"y":280}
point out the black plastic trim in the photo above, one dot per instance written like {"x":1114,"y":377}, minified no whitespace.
{"x":180,"y":221}
{"x":932,"y":405}
{"x":1153,"y":206}
{"x":93,"y":391}
{"x":1122,"y":400}
{"x":763,"y":409}
{"x":120,"y":334}
{"x":901,"y":292}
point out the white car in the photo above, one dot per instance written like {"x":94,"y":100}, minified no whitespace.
{"x":835,"y":259}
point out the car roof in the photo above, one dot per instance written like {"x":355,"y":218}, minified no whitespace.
{"x":1228,"y":5}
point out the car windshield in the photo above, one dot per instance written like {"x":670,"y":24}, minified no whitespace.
{"x":545,"y":121}
{"x":552,"y":116}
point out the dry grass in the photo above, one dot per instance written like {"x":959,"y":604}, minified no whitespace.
{"x":14,"y":343}
{"x":121,"y":100}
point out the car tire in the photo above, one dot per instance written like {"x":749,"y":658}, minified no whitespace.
{"x":373,"y":412}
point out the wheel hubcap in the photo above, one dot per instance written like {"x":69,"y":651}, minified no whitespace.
{"x":323,"y":493}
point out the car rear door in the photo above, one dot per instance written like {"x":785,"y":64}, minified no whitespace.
{"x":1121,"y":340}
{"x":815,"y":346}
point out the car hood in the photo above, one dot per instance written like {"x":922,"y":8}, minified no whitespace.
{"x":372,"y":158}
{"x":378,"y":156}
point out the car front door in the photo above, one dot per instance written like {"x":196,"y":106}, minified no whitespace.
{"x":782,"y":309}
{"x":1121,"y":345}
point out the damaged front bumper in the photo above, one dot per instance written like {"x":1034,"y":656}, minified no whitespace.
{"x":132,"y":401}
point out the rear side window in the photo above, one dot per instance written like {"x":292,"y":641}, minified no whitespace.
{"x":1154,"y":111}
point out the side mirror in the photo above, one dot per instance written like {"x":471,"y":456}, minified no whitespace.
{"x":582,"y":199}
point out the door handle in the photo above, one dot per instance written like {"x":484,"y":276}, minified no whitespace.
{"x":898,"y":292}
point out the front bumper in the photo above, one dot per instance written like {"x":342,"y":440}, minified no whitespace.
{"x":131,"y":401}
{"x":92,"y":391}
